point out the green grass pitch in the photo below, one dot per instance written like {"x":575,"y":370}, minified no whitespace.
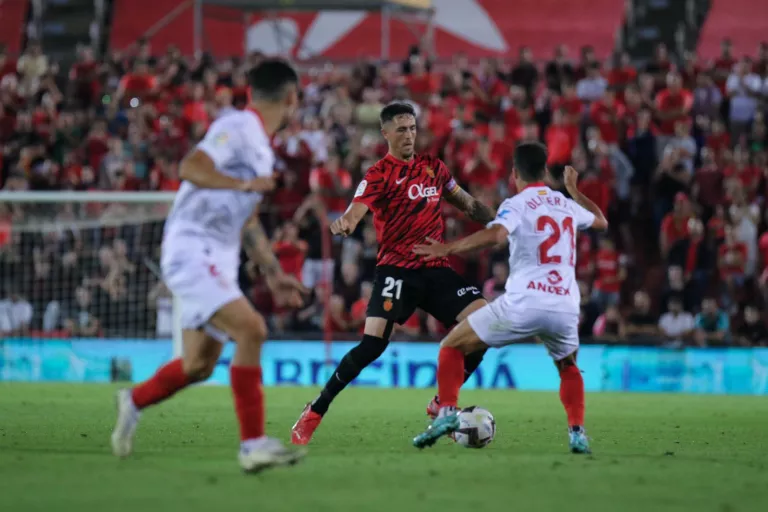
{"x":652,"y":453}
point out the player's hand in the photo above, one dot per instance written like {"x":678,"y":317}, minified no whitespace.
{"x":258,"y":185}
{"x":286,"y":290}
{"x":571,"y":178}
{"x":431,"y":250}
{"x":342,"y":226}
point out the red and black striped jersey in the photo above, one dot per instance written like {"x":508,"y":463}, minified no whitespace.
{"x":405,"y":198}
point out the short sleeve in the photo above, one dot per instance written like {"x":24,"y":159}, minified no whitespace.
{"x":509,"y":215}
{"x":221,"y":143}
{"x":584,"y":218}
{"x":370,"y":190}
{"x":449,"y":184}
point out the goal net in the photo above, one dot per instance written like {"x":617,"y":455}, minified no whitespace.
{"x":84,"y":265}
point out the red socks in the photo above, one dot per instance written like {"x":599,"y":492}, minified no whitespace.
{"x":164,"y":383}
{"x":572,"y":395}
{"x":450,"y":376}
{"x":249,"y":400}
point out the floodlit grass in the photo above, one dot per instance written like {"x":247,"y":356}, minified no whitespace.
{"x":652,"y":453}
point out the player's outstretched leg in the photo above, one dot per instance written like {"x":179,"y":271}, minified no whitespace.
{"x":200,"y":355}
{"x":572,"y":397}
{"x":462,"y":340}
{"x":247,"y":327}
{"x":373,"y":344}
{"x":471,"y":363}
{"x":471,"y":360}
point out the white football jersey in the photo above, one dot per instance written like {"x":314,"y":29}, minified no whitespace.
{"x":239,"y":147}
{"x":542,"y":225}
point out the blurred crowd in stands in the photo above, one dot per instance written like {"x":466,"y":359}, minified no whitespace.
{"x":674,"y":151}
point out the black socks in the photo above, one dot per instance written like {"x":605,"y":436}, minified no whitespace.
{"x":366,"y":352}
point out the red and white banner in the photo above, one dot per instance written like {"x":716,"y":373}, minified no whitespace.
{"x":478,"y":28}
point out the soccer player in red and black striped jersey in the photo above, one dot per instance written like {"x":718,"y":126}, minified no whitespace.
{"x":404,"y":191}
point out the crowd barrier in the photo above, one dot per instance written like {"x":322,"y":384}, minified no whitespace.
{"x":405,"y":365}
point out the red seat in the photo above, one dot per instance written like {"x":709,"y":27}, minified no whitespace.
{"x":13,"y":14}
{"x":540,"y":24}
{"x":745,"y":22}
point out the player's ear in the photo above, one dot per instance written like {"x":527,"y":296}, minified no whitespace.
{"x":292,"y":98}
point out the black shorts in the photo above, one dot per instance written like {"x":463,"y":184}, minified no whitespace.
{"x":441,"y":292}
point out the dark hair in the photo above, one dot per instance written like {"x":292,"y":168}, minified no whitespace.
{"x":393,"y":110}
{"x":270,"y":77}
{"x":531,"y":161}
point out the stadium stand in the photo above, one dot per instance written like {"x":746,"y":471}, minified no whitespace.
{"x":677,"y":158}
{"x":744,"y":22}
{"x":13,"y":15}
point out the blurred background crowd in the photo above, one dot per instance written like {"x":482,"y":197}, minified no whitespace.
{"x":674,"y":151}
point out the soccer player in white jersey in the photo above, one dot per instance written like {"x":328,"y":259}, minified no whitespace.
{"x":223,"y":182}
{"x":542,"y":295}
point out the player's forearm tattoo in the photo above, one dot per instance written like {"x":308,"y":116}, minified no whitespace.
{"x":258,"y":247}
{"x":471,"y":207}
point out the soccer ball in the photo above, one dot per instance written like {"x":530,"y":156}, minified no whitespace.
{"x":477,"y":427}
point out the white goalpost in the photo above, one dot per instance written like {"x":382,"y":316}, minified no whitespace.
{"x":85,"y":264}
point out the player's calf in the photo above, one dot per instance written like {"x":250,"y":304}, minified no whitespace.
{"x":572,"y":398}
{"x":249,"y":330}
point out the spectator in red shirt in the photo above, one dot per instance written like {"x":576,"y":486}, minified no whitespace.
{"x":333,"y":184}
{"x":731,"y":261}
{"x":610,"y":273}
{"x":623,"y":74}
{"x":659,"y":65}
{"x":483,"y":169}
{"x":596,"y":189}
{"x":570,"y":103}
{"x":723,"y":65}
{"x":605,"y":114}
{"x":585,"y":265}
{"x":164,"y":176}
{"x":718,"y":139}
{"x":708,"y":183}
{"x":561,"y":138}
{"x":674,"y":227}
{"x":295,"y":153}
{"x":84,"y":75}
{"x":690,"y":70}
{"x":502,"y":145}
{"x":420,"y":83}
{"x":137,"y":85}
{"x":195,"y":110}
{"x":673,"y":104}
{"x":742,"y":174}
{"x":289,"y":249}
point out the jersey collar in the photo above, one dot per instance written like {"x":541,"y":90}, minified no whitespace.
{"x":390,"y":157}
{"x":534,"y":185}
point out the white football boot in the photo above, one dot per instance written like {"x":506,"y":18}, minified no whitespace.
{"x":267,"y":452}
{"x":125,"y":428}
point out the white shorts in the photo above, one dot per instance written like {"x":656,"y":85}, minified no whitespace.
{"x":508,"y":319}
{"x":203,"y":278}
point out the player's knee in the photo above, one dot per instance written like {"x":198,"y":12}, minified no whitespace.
{"x":252,"y":331}
{"x":566,"y":362}
{"x":199,"y":368}
{"x":368,"y":350}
